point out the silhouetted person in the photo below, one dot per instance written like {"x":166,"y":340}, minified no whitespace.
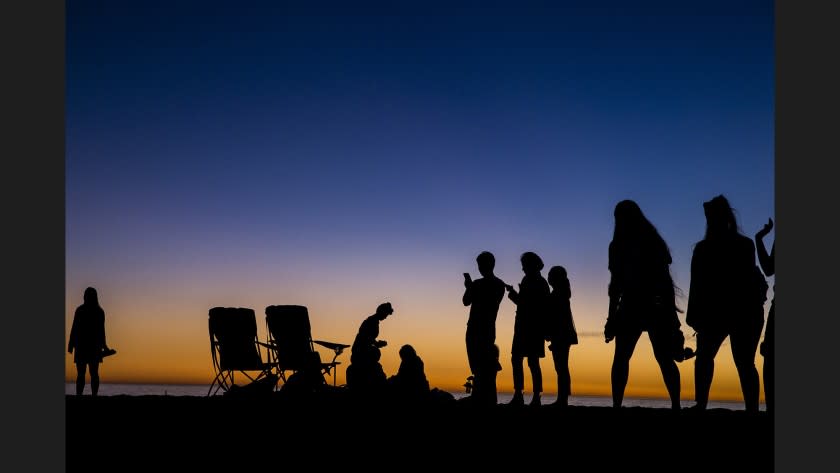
{"x":767,"y":350}
{"x":365,"y":373}
{"x":725,"y":300}
{"x":642,"y":298}
{"x":560,"y":330}
{"x":410,"y":383}
{"x":87,"y":339}
{"x":528,"y":327}
{"x":483,"y":296}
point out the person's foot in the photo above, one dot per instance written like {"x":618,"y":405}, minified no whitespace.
{"x":535,"y":401}
{"x":695,"y":409}
{"x":517,"y":400}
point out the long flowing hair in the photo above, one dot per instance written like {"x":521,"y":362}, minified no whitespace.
{"x":632,"y":227}
{"x":720,"y":218}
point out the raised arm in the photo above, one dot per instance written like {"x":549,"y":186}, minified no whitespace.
{"x":767,"y":261}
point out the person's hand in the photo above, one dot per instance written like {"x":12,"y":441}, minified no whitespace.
{"x":381,"y":343}
{"x":608,"y":332}
{"x":765,"y":229}
{"x":70,"y":350}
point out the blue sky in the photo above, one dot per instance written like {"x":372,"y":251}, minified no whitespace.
{"x":222,"y":144}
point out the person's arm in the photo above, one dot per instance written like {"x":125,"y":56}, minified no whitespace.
{"x":614,"y":290}
{"x":512,"y":294}
{"x":467,"y":298}
{"x":71,"y":344}
{"x":692,"y":311}
{"x":102,"y":332}
{"x":766,"y":261}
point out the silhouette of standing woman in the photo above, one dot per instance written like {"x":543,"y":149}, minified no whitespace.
{"x":561,"y":331}
{"x":725,"y":301}
{"x":528,"y":327}
{"x":87,"y":339}
{"x":642,"y":294}
{"x":767,"y":262}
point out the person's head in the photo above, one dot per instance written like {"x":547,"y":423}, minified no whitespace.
{"x":486,"y":262}
{"x":531,"y":262}
{"x":407,"y":352}
{"x":557,"y":276}
{"x":720,"y":218}
{"x":631,"y":224}
{"x":90,"y":297}
{"x":384,"y":310}
{"x":629,"y":218}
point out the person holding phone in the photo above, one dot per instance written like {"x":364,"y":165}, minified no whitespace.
{"x":483,"y":296}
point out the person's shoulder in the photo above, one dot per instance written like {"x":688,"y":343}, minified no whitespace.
{"x":491,"y":281}
{"x":497,"y":282}
{"x":745,"y":241}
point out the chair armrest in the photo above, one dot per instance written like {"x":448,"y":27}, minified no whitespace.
{"x":337,"y":347}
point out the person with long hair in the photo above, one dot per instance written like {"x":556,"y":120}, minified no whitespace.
{"x":87,"y":339}
{"x":725,"y":300}
{"x":528,"y":327}
{"x":560,"y":330}
{"x":642,"y":299}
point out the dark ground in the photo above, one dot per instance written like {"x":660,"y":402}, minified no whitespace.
{"x":272,"y":433}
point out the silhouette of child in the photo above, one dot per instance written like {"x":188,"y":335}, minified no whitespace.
{"x":410,"y":383}
{"x":560,"y":330}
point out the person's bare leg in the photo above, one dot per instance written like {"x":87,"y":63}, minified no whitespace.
{"x":536,"y":379}
{"x":94,"y":378}
{"x":518,"y":381}
{"x":708,"y":345}
{"x":80,"y":378}
{"x":662,"y":350}
{"x":625,"y":344}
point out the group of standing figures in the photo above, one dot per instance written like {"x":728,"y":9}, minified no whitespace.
{"x":726,"y":299}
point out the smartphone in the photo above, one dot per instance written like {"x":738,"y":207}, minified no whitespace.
{"x":467,"y":277}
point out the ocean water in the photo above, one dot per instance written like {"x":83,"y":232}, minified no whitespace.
{"x":113,"y":389}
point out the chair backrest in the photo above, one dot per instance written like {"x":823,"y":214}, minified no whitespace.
{"x":290,"y":332}
{"x":233,"y":331}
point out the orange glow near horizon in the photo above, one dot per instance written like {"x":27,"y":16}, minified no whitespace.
{"x":180,"y":353}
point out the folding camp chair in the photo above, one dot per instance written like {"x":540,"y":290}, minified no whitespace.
{"x":235,"y":348}
{"x":290,"y":336}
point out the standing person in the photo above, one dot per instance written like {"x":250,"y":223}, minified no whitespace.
{"x":87,"y":339}
{"x":483,"y":295}
{"x":767,"y":262}
{"x":560,"y":330}
{"x":528,"y":328}
{"x":725,"y":300}
{"x":365,"y":373}
{"x":642,"y":298}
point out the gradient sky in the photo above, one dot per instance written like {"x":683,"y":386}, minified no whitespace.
{"x":245,"y":154}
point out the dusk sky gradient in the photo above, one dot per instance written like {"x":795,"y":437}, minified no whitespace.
{"x":246,"y":154}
